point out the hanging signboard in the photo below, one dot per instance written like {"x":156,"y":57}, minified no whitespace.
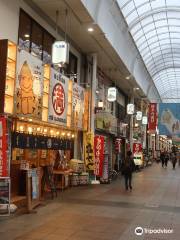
{"x":89,"y":150}
{"x":130,"y":108}
{"x":144,"y":120}
{"x":152,"y":117}
{"x":29,"y":85}
{"x":139,"y":116}
{"x":98,"y":155}
{"x":60,"y":52}
{"x":112,"y":92}
{"x":4,"y":165}
{"x":169,"y":119}
{"x":137,"y":148}
{"x":58,"y":98}
{"x":77,"y":105}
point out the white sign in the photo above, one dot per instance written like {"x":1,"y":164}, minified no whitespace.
{"x":58,"y":98}
{"x":112,"y":92}
{"x":78,"y":105}
{"x":60,"y":52}
{"x":130,"y":108}
{"x":144,"y":120}
{"x":139,"y":116}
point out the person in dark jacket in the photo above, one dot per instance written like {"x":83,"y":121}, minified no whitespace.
{"x":162,"y":158}
{"x":173,"y":159}
{"x":128,"y":168}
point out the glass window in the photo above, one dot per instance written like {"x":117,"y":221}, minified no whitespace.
{"x":37,"y":37}
{"x":47,"y":47}
{"x":24,"y":31}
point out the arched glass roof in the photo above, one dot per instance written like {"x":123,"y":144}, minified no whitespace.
{"x":155,"y":28}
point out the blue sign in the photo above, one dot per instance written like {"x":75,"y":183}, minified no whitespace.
{"x":169,"y":119}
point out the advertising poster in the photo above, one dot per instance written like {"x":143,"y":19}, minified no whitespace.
{"x":35,"y":184}
{"x":169,"y":119}
{"x":137,"y":153}
{"x":58,"y":98}
{"x":4,"y":165}
{"x":78,"y":105}
{"x":98,"y":155}
{"x":89,"y":150}
{"x":152,"y":117}
{"x":29,"y":85}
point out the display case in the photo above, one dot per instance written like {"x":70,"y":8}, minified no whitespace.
{"x":7,"y":75}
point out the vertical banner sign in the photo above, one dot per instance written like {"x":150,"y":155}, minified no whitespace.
{"x":3,"y":149}
{"x":137,"y":152}
{"x":35,"y":183}
{"x":98,"y":155}
{"x":152,"y":121}
{"x":29,"y":85}
{"x":89,"y":151}
{"x":58,"y":98}
{"x":78,"y":105}
{"x":118,"y":145}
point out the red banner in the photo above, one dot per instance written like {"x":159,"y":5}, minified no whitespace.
{"x":137,"y":148}
{"x":98,"y":154}
{"x":152,"y":121}
{"x":118,"y":145}
{"x":3,"y":148}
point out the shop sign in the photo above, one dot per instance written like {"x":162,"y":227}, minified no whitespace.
{"x":105,"y":175}
{"x":24,"y":165}
{"x":137,"y":148}
{"x":112,"y":92}
{"x":58,"y":98}
{"x":89,"y":150}
{"x":144,"y":120}
{"x":77,"y":106}
{"x":118,"y":145}
{"x":60,"y":52}
{"x":98,"y":155}
{"x":4,"y":165}
{"x":29,"y":85}
{"x":139,"y":116}
{"x":130,"y":108}
{"x":29,"y":141}
{"x":152,"y":117}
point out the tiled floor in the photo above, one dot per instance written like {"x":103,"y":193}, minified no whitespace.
{"x":105,"y":212}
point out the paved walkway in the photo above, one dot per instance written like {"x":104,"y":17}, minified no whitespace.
{"x":106,"y":212}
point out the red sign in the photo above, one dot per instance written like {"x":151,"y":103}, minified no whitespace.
{"x":98,"y":154}
{"x":58,"y":99}
{"x":152,"y":121}
{"x":3,"y":148}
{"x":118,"y":145}
{"x":137,"y":148}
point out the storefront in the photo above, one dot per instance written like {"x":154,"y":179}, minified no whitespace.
{"x":46,"y":109}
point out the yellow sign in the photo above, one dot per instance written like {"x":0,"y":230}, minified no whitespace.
{"x":89,"y":150}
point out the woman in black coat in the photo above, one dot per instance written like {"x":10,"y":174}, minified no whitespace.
{"x":127,"y":170}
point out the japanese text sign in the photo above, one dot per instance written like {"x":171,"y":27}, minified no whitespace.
{"x":98,"y":154}
{"x":3,"y":149}
{"x":88,"y":148}
{"x":152,"y":121}
{"x":58,"y":98}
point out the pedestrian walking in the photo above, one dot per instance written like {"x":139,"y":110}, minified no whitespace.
{"x":173,"y":159}
{"x":162,"y":158}
{"x":166,"y":158}
{"x":127,"y":170}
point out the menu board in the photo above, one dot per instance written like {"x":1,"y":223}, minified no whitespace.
{"x":4,"y":196}
{"x":58,"y":98}
{"x":29,"y":85}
